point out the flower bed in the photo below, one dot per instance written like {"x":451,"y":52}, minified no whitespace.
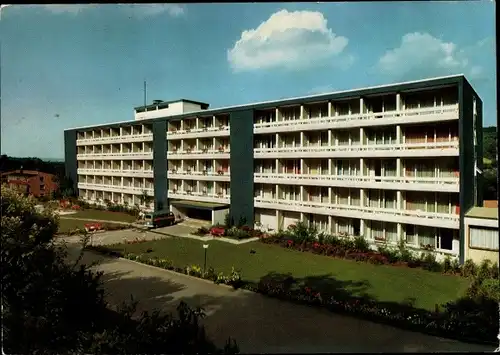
{"x":306,"y":239}
{"x":465,"y":320}
{"x":240,"y":233}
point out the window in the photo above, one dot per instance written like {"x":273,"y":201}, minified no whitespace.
{"x":483,"y":238}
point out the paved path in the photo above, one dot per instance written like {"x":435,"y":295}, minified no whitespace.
{"x":259,"y":324}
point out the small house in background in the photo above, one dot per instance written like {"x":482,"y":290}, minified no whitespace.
{"x":481,"y":234}
{"x":31,"y":182}
{"x":490,"y":203}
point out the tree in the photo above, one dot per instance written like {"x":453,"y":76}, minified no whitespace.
{"x":50,"y":306}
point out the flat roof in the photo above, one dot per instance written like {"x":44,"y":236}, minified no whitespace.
{"x":483,"y":212}
{"x":199,"y":205}
{"x":335,"y":95}
{"x":202,"y":104}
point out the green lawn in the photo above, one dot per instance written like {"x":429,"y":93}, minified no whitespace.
{"x":66,"y":225}
{"x":103,"y":215}
{"x":385,"y":283}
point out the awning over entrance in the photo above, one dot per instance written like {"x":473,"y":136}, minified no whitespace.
{"x":207,"y":206}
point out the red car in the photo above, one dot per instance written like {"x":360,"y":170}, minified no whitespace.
{"x":217,"y":231}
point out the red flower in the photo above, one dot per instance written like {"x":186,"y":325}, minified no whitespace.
{"x":289,"y":242}
{"x":316,"y":245}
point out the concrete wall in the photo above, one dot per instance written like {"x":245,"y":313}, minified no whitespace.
{"x":70,"y":162}
{"x":219,"y":216}
{"x":190,"y":107}
{"x":242,"y":160}
{"x":466,"y":159}
{"x":160,"y":165}
{"x":478,"y":255}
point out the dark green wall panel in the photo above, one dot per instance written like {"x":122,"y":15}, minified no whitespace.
{"x":242,"y":182}
{"x":160,"y":164}
{"x":70,"y":162}
{"x":466,"y":132}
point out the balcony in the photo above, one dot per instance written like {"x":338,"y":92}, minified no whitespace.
{"x":147,"y":137}
{"x":116,"y":188}
{"x":439,"y":220}
{"x":112,"y":156}
{"x":362,"y":151}
{"x":199,"y":154}
{"x":362,"y":182}
{"x":202,"y":175}
{"x":116,"y":172}
{"x":199,"y":196}
{"x":220,"y":131}
{"x":419,"y":115}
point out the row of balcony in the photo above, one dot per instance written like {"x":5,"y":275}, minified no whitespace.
{"x":206,"y":132}
{"x":126,"y":138}
{"x":116,"y":156}
{"x":375,"y":150}
{"x":418,"y":217}
{"x":300,"y":123}
{"x":416,"y":115}
{"x":201,"y":196}
{"x":116,"y":172}
{"x":115,"y":188}
{"x":445,"y":184}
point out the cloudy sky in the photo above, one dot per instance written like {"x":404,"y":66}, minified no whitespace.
{"x":65,"y":66}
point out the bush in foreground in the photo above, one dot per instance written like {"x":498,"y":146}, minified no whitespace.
{"x":50,"y":306}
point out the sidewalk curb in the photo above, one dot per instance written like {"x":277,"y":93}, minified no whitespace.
{"x":173,"y":272}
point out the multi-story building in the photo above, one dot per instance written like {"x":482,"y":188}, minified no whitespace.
{"x":387,"y":162}
{"x":31,"y":182}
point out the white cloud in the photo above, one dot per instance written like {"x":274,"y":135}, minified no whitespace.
{"x":422,"y":54}
{"x":291,"y":40}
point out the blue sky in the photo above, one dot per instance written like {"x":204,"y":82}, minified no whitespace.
{"x":64,"y":66}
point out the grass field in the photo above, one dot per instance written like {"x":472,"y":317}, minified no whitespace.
{"x":384,"y":283}
{"x":66,"y":225}
{"x":103,"y":215}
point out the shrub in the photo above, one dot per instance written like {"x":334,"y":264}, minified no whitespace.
{"x":447,"y":264}
{"x":360,"y":244}
{"x":302,"y":232}
{"x":404,"y":254}
{"x":391,"y":254}
{"x":202,"y":231}
{"x":429,"y":262}
{"x":242,"y":221}
{"x":469,"y":268}
{"x":227,"y":221}
{"x":484,"y":269}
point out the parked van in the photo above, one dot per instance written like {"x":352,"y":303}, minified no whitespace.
{"x":159,"y":219}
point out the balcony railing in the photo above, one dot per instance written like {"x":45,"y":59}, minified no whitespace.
{"x":199,"y":151}
{"x":173,"y":173}
{"x":115,"y":188}
{"x":198,"y":196}
{"x":341,"y":178}
{"x":178,"y":132}
{"x":116,"y":172}
{"x":361,"y":117}
{"x":138,"y":155}
{"x":359,"y":147}
{"x":365,"y":209}
{"x":116,"y":139}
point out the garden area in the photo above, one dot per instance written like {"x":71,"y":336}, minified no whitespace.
{"x":237,"y":231}
{"x":421,"y":294}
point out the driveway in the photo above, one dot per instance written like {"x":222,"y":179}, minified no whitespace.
{"x":258,"y":323}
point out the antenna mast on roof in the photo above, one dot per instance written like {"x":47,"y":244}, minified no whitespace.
{"x":145,"y":97}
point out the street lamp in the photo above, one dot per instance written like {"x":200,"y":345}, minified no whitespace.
{"x":205,"y":247}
